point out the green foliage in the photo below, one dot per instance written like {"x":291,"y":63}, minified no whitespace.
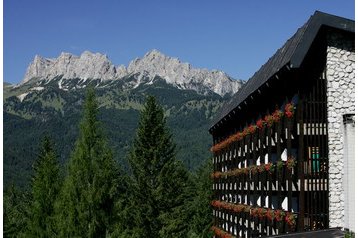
{"x":88,"y":195}
{"x":174,"y":194}
{"x":16,"y":211}
{"x":45,"y":189}
{"x":160,"y":182}
{"x":202,"y":218}
{"x":349,"y":234}
{"x":57,"y":112}
{"x":158,"y":198}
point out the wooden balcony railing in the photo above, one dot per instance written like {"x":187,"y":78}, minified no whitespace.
{"x":279,"y":164}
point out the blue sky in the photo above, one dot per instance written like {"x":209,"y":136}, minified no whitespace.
{"x":235,"y":36}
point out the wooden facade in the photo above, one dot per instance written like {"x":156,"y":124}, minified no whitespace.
{"x":270,"y":150}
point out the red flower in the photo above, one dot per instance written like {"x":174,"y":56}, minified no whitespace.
{"x":220,"y":233}
{"x":261,"y":168}
{"x":279,"y":214}
{"x":277,"y":115}
{"x":245,"y":132}
{"x":252,"y":129}
{"x":269,"y":120}
{"x":290,"y":219}
{"x":261,"y":213}
{"x":238,"y":136}
{"x":216,"y":175}
{"x":289,"y":110}
{"x":289,"y":114}
{"x":270,"y":214}
{"x":216,"y":203}
{"x":260,"y":124}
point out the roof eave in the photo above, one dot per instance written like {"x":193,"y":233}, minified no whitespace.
{"x":318,"y":20}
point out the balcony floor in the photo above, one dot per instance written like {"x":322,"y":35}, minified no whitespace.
{"x":329,"y":233}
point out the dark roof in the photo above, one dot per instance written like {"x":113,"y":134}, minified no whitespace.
{"x":290,"y":55}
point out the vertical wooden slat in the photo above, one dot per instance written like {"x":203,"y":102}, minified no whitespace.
{"x":300,"y":165}
{"x":278,"y":173}
{"x":248,"y":182}
{"x":315,"y":119}
{"x":289,"y":173}
{"x":255,"y":178}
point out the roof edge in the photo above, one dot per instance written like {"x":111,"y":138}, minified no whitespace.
{"x":314,"y":24}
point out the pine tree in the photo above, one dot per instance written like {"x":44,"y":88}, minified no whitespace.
{"x":160,"y":182}
{"x":45,"y":189}
{"x":202,"y":217}
{"x":16,"y":206}
{"x":85,"y":208}
{"x":175,"y":193}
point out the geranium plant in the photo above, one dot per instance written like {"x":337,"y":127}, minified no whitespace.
{"x":290,"y":163}
{"x":220,"y":233}
{"x":254,"y":212}
{"x":247,"y":208}
{"x":290,"y":219}
{"x":261,"y":168}
{"x":238,"y":207}
{"x":279,"y":165}
{"x":238,"y":136}
{"x":253,"y":169}
{"x":246,"y":171}
{"x":261,"y":213}
{"x":216,"y":175}
{"x":270,"y":214}
{"x":277,"y":115}
{"x":269,"y":167}
{"x":260,"y":124}
{"x":269,"y":120}
{"x":289,"y":110}
{"x":279,"y":215}
{"x":251,"y":129}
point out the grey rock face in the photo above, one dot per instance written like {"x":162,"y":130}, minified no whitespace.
{"x":97,"y":66}
{"x":86,"y":66}
{"x":183,"y":75}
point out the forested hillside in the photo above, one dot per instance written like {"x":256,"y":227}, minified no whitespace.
{"x":33,"y":110}
{"x":93,"y":196}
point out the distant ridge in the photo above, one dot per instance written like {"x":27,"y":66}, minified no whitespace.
{"x":96,"y":66}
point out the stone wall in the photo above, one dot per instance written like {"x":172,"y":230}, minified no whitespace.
{"x":340,"y":94}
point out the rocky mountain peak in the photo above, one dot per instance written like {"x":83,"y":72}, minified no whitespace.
{"x":154,"y":54}
{"x":86,"y":66}
{"x":154,"y":63}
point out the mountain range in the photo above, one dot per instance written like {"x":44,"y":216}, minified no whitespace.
{"x":96,"y":66}
{"x":49,"y":101}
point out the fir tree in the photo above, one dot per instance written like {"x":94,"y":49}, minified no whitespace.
{"x":45,"y":189}
{"x":160,"y":182}
{"x":202,"y":217}
{"x":16,"y":205}
{"x":85,"y":208}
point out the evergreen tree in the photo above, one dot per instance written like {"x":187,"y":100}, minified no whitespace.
{"x":202,"y":218}
{"x":45,"y":189}
{"x":85,"y":208}
{"x":160,"y":182}
{"x":175,"y":193}
{"x":16,"y":212}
